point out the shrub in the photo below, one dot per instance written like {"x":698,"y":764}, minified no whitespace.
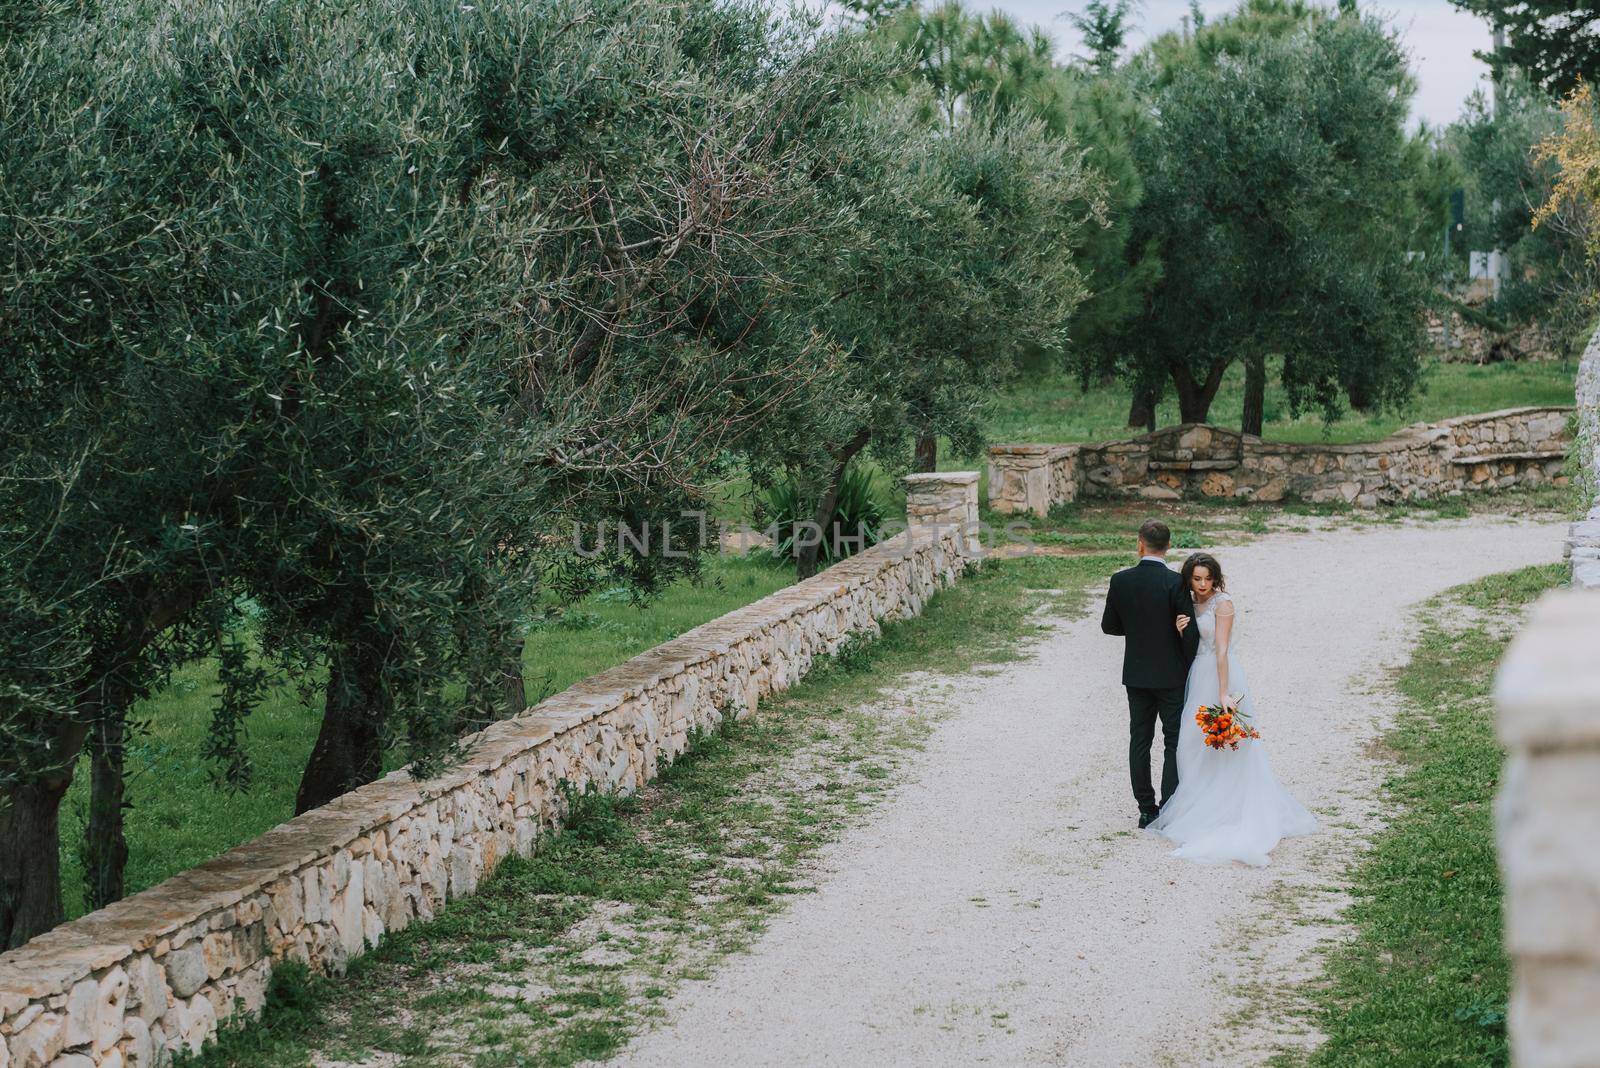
{"x":857,"y":521}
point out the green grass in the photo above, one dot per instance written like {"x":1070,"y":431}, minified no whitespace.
{"x":666,"y":883}
{"x":179,"y":818}
{"x":1424,"y":980}
{"x":1056,"y":410}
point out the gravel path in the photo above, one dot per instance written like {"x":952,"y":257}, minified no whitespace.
{"x":998,"y":908}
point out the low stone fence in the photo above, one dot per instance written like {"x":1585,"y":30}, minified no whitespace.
{"x":155,"y":973}
{"x":1516,"y":447}
{"x":1547,"y":815}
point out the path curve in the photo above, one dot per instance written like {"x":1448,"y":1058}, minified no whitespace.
{"x":995,"y":909}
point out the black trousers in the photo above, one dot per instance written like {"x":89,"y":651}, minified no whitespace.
{"x":1145,"y":706}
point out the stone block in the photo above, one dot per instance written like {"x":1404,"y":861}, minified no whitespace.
{"x":137,"y":1050}
{"x":40,"y":1042}
{"x":1547,"y":820}
{"x":80,"y":1013}
{"x":1546,"y":686}
{"x":111,"y":998}
{"x":186,"y":970}
{"x":1552,"y":1019}
{"x":216,"y":950}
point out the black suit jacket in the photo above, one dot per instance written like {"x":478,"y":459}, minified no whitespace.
{"x":1143,"y":605}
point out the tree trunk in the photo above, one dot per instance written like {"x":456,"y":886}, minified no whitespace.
{"x":30,"y":817}
{"x":30,"y":853}
{"x":806,"y":565}
{"x":513,"y":694}
{"x":1142,"y":409}
{"x":1194,"y":398}
{"x":1255,"y":394}
{"x":926,"y":459}
{"x":349,"y":748}
{"x":107,"y":858}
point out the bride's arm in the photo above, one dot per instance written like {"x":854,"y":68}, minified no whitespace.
{"x":1224,"y":614}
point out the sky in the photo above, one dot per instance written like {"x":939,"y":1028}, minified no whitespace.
{"x":1440,"y":38}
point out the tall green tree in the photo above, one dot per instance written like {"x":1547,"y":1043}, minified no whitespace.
{"x":985,"y":69}
{"x":1555,"y":43}
{"x":953,"y":254}
{"x":1270,"y":174}
{"x":1104,"y":28}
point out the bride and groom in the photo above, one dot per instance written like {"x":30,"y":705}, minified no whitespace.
{"x":1218,"y":804}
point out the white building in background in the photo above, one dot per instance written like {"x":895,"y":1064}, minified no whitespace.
{"x":1486,"y":270}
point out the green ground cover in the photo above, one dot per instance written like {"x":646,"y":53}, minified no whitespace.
{"x":1054,"y":409}
{"x":1424,"y":979}
{"x":179,"y":818}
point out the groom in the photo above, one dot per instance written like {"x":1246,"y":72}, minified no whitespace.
{"x":1143,"y":605}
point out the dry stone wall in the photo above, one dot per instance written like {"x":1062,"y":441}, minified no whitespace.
{"x":157,"y":972}
{"x":1516,"y":447}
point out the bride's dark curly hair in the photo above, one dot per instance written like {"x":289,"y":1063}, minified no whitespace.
{"x":1207,"y":561}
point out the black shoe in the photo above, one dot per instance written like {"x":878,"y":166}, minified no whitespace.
{"x":1147,"y":818}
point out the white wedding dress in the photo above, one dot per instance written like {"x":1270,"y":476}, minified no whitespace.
{"x":1227,"y":806}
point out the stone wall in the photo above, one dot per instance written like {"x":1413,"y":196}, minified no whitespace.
{"x":1516,"y":447}
{"x":1583,"y":543}
{"x":156,"y":972}
{"x":1547,"y":820}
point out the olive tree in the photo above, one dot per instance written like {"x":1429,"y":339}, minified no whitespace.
{"x":1271,"y":170}
{"x":351,"y":309}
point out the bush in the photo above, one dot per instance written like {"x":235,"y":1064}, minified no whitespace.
{"x":857,"y":521}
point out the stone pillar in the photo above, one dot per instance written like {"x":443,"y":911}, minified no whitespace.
{"x":1031,"y":478}
{"x":1583,"y":542}
{"x":1547,"y":821}
{"x":945,"y":501}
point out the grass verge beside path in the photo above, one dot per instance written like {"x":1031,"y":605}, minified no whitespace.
{"x":1424,"y":979}
{"x":557,"y":959}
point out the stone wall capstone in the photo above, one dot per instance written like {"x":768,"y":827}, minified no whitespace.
{"x":157,"y":972}
{"x":1515,"y":447}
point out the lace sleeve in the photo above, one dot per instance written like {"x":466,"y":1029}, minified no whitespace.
{"x":1224,"y":607}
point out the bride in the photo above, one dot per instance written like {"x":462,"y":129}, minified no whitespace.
{"x":1227,"y":805}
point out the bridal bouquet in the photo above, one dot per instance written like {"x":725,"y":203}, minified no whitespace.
{"x":1224,"y":728}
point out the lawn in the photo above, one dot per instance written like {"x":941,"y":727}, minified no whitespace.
{"x":1054,"y":409}
{"x":179,"y":818}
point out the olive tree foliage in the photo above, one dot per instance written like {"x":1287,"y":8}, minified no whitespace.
{"x":954,"y":253}
{"x":1270,"y":170}
{"x":351,"y":308}
{"x":964,"y":68}
{"x":105,"y":441}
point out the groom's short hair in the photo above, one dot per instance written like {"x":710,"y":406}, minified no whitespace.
{"x":1156,"y":535}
